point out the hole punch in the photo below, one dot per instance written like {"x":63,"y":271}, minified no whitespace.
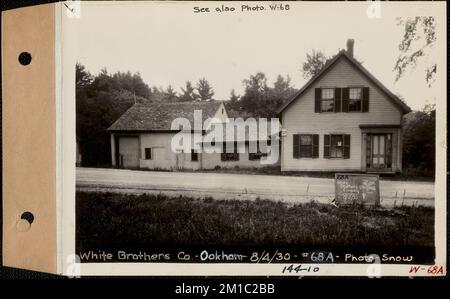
{"x":24,"y":223}
{"x":25,"y":58}
{"x":28,"y":216}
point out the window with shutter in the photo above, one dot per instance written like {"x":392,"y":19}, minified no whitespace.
{"x":365,"y":103}
{"x":296,"y":146}
{"x":346,"y":146}
{"x":355,"y":99}
{"x":317,"y":95}
{"x":315,"y":153}
{"x":327,"y":100}
{"x":337,"y":99}
{"x":345,"y":96}
{"x":337,"y":146}
{"x":326,"y":146}
{"x":306,"y":146}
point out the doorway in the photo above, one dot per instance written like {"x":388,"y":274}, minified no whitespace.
{"x":379,"y":152}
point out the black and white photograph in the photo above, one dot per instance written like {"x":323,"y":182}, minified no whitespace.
{"x":286,"y":135}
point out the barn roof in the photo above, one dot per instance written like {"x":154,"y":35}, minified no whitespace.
{"x":159,"y":116}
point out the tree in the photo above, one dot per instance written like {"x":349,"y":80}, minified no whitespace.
{"x":313,"y":64}
{"x":188,"y":93}
{"x":418,"y":39}
{"x":83,"y":77}
{"x":419,"y":141}
{"x":233,"y":96}
{"x":100,"y":101}
{"x":204,"y":90}
{"x":170,"y":94}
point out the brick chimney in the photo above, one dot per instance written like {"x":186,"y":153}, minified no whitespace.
{"x":350,"y":44}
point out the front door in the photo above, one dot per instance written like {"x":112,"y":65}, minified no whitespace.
{"x":379,"y":153}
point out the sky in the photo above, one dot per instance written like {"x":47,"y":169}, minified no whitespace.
{"x":167,"y":43}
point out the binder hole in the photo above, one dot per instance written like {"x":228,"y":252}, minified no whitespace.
{"x":25,"y":58}
{"x":28,"y":216}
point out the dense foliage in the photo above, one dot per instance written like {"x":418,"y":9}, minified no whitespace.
{"x":419,"y":129}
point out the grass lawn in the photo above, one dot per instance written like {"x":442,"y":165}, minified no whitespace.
{"x":110,"y":218}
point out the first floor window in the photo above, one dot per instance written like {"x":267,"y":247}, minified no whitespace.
{"x":258,"y":154}
{"x":306,"y":146}
{"x":148,"y":153}
{"x":194,"y":156}
{"x":233,"y":156}
{"x":337,"y":146}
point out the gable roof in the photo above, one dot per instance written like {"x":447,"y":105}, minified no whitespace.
{"x":159,"y":116}
{"x":328,"y":66}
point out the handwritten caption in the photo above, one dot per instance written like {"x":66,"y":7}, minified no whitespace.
{"x":245,"y":8}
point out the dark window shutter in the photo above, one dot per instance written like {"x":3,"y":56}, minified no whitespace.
{"x":318,"y":96}
{"x":345,"y":96}
{"x":296,"y":149}
{"x":337,"y":100}
{"x":326,"y":146}
{"x":365,"y":101}
{"x":346,"y":146}
{"x":368,"y":150}
{"x":315,"y":146}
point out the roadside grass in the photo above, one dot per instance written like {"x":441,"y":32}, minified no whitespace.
{"x":114,"y":219}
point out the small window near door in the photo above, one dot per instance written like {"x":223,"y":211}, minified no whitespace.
{"x":148,"y":153}
{"x":337,"y":146}
{"x":194,"y":156}
{"x":355,"y":99}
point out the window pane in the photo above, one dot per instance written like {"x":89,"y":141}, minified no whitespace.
{"x":327,"y":105}
{"x":337,"y":146}
{"x":337,"y":140}
{"x":148,"y":153}
{"x":336,"y":152}
{"x":306,"y":151}
{"x":327,"y":93}
{"x":355,"y":93}
{"x":305,"y":139}
{"x":354,"y":105}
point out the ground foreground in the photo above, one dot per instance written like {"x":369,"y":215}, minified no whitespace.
{"x":113,"y":218}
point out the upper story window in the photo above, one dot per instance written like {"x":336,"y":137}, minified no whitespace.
{"x":346,"y":99}
{"x":327,"y":100}
{"x":355,"y":99}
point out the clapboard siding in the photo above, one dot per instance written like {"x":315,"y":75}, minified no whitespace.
{"x":299,"y":117}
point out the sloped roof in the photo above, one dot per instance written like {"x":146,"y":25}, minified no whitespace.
{"x":328,"y":66}
{"x":159,"y":116}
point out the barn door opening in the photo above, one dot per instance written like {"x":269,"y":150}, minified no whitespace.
{"x":128,"y":152}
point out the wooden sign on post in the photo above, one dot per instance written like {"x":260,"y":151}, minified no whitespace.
{"x":351,"y":188}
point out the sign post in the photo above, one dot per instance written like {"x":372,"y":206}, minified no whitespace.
{"x":355,"y":188}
